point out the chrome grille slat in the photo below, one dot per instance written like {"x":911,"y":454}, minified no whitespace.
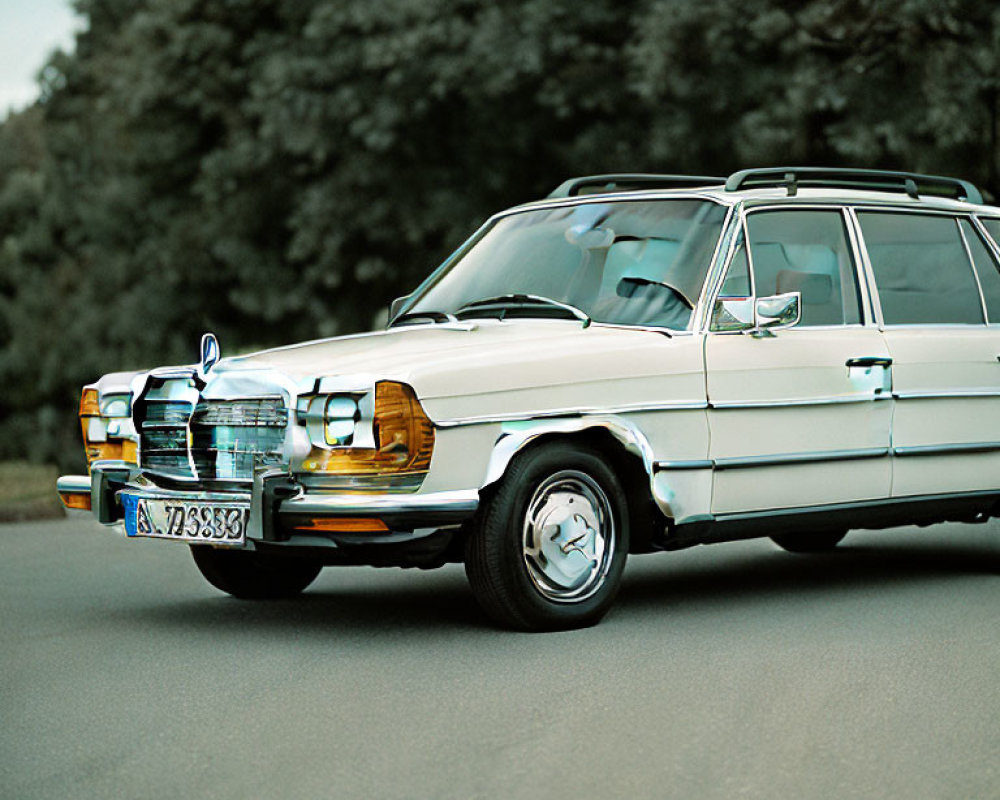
{"x":228,"y":438}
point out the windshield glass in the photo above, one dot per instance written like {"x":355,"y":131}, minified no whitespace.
{"x":631,"y":263}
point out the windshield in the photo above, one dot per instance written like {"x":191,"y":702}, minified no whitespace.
{"x":631,"y":263}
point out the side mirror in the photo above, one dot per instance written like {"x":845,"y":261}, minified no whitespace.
{"x":397,"y":305}
{"x":778,"y":311}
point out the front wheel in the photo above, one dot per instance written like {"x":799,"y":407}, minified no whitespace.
{"x":551,"y":542}
{"x":252,"y":576}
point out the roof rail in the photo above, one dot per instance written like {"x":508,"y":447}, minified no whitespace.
{"x":876,"y":179}
{"x":598,"y":184}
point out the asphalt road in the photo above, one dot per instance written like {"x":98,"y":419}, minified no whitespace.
{"x":730,"y":671}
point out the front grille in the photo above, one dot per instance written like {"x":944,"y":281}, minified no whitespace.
{"x":231,"y":437}
{"x":163,"y":437}
{"x":214,"y":440}
{"x":264,"y":413}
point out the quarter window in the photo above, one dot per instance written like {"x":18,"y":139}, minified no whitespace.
{"x":921,"y":268}
{"x":986,"y":269}
{"x":993,"y":227}
{"x":807,"y":252}
{"x":737,"y":282}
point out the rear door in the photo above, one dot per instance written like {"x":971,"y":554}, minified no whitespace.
{"x":937,"y":286}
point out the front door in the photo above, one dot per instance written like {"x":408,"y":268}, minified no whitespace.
{"x":800,"y":417}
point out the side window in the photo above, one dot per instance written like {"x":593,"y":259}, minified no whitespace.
{"x":921,"y":268}
{"x":986,"y":269}
{"x":993,"y":228}
{"x":807,"y":252}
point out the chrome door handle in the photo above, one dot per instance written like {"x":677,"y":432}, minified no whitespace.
{"x":870,"y":361}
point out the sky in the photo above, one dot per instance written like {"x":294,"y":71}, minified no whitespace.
{"x":29,"y":31}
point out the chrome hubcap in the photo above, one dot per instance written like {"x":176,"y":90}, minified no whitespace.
{"x":569,"y":536}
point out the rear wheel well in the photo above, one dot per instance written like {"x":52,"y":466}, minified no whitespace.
{"x":646,"y":522}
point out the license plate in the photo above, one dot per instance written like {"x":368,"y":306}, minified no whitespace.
{"x":212,"y":523}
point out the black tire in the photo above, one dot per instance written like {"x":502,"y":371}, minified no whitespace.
{"x":809,"y":541}
{"x":509,"y":581}
{"x":251,"y":576}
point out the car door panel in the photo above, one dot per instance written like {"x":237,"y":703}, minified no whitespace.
{"x":792,"y":425}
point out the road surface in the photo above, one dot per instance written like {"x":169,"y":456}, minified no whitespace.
{"x":728,"y":671}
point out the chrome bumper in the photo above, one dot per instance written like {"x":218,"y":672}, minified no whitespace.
{"x":278,"y":504}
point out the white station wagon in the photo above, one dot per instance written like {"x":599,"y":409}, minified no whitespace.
{"x":636,"y":363}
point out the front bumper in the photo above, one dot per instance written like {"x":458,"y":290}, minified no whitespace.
{"x":282,"y":513}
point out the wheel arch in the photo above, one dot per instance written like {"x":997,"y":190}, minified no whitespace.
{"x":626,"y":448}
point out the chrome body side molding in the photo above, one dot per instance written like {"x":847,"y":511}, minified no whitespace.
{"x":812,"y":401}
{"x":945,"y":449}
{"x":799,"y":458}
{"x":569,"y":413}
{"x":949,"y":395}
{"x":777,"y":459}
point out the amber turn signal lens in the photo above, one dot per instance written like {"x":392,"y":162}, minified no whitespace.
{"x":88,"y":404}
{"x":344,"y":525}
{"x":113,"y":449}
{"x":75,"y":500}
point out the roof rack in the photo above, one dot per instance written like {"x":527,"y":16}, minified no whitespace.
{"x":598,"y":184}
{"x":876,"y":179}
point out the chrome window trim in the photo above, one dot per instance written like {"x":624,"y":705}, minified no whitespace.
{"x":715,"y":280}
{"x":694,"y":324}
{"x":618,"y":197}
{"x":972,"y":264}
{"x":744,"y":209}
{"x":722,"y":253}
{"x":990,"y":243}
{"x":958,"y":326}
{"x":936,"y":212}
{"x":545,"y":205}
{"x":861,"y":267}
{"x":869,"y":271}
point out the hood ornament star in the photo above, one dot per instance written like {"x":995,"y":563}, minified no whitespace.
{"x":210,"y":352}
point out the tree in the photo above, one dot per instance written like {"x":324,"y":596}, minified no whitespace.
{"x":278,"y":171}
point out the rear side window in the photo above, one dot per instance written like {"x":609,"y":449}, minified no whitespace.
{"x":806,"y":252}
{"x":922,"y":270}
{"x":986,"y":269}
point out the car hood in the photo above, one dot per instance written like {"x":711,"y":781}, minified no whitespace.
{"x":501,"y":367}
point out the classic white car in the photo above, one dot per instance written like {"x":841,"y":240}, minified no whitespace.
{"x":636,"y":363}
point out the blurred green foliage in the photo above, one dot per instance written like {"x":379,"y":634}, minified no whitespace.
{"x":276,"y":171}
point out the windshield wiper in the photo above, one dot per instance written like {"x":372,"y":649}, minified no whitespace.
{"x":435,"y":316}
{"x":526,"y":300}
